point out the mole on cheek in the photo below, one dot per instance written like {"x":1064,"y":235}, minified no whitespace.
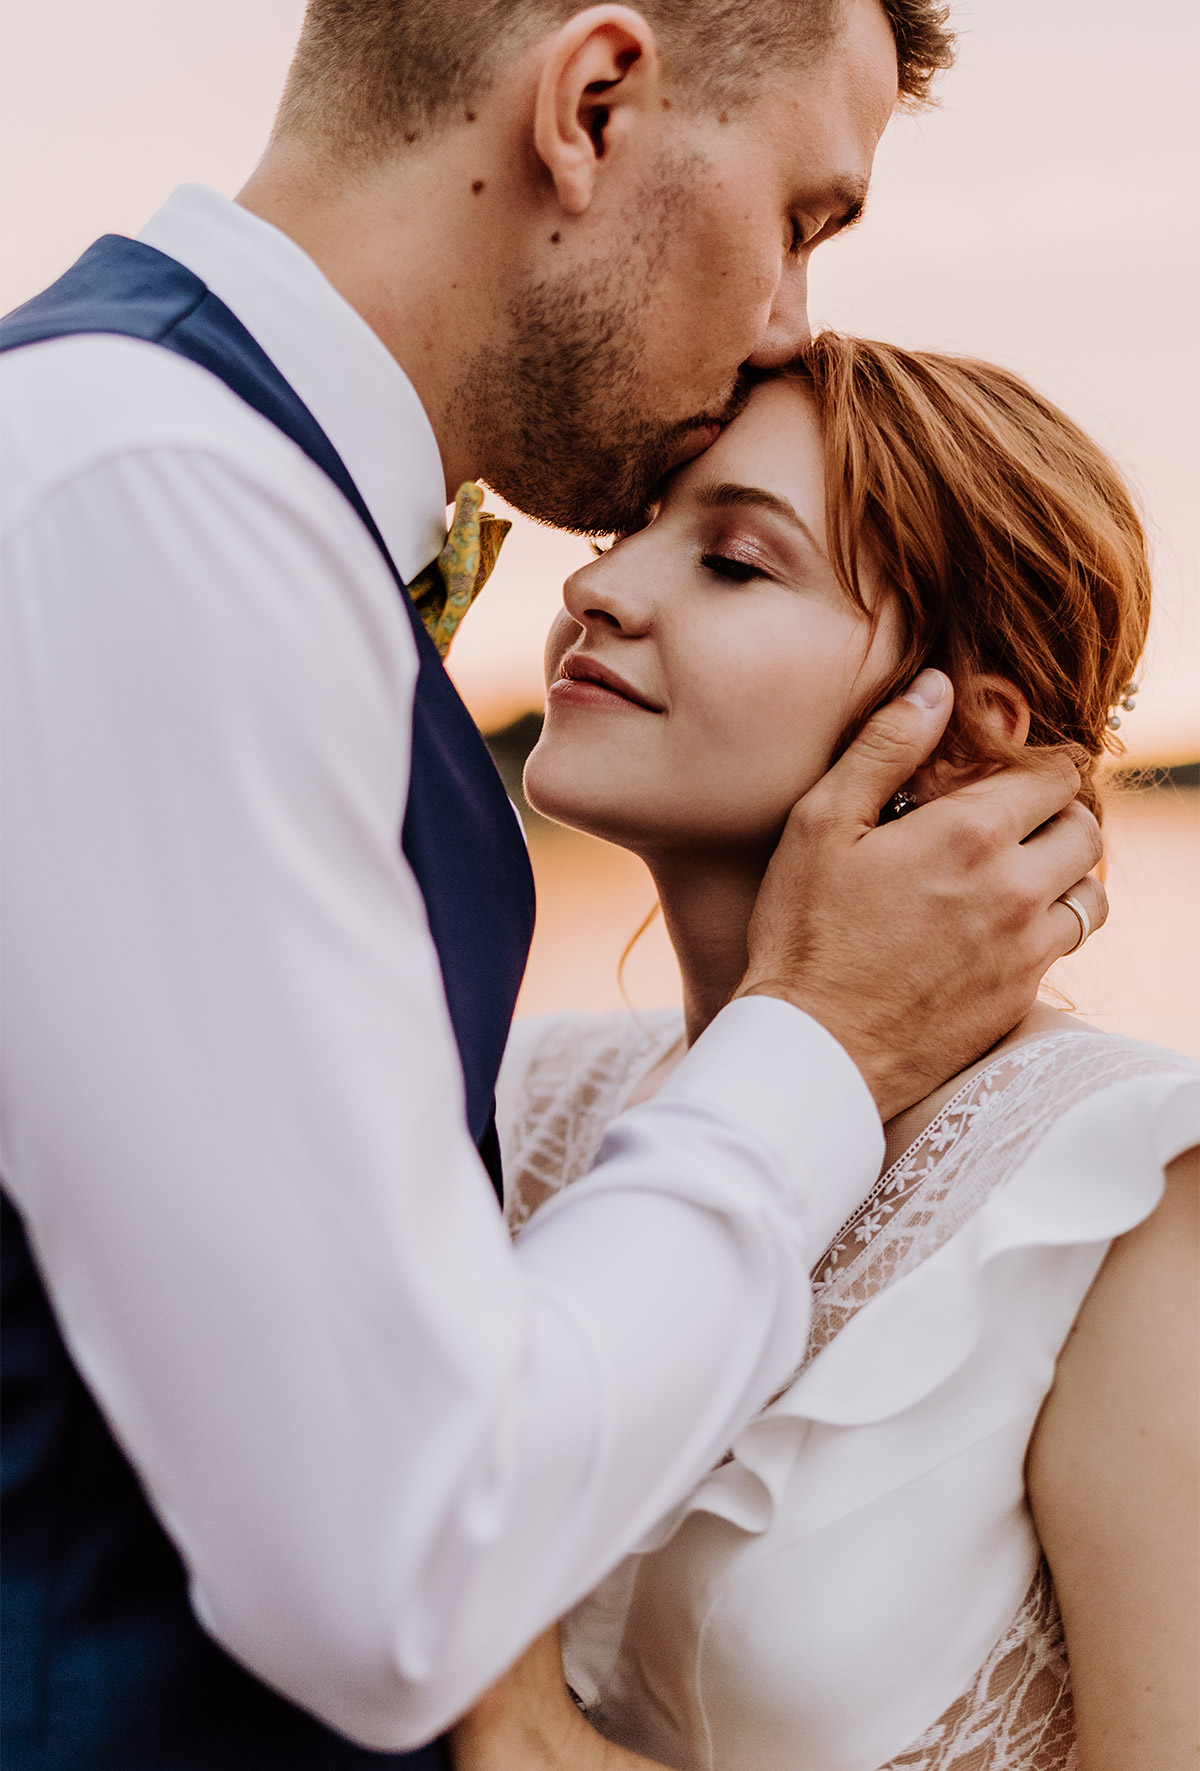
{"x":555,"y":238}
{"x":477,"y":186}
{"x":470,"y":115}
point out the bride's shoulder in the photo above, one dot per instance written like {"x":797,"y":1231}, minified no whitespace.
{"x":1066,"y":1063}
{"x":1050,"y":1061}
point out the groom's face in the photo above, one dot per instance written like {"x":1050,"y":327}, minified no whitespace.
{"x":626,"y":361}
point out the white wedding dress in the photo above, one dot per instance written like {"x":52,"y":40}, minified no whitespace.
{"x":858,"y":1584}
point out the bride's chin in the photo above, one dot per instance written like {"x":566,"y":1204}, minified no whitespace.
{"x":551,"y":798}
{"x":563,"y":800}
{"x":574,"y":814}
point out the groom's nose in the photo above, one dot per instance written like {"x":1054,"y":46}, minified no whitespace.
{"x":787,"y":331}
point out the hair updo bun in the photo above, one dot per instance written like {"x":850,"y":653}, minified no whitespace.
{"x":1008,"y":537}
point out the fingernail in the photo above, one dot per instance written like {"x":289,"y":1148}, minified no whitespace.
{"x":929,"y":689}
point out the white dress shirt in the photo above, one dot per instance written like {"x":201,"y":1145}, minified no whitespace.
{"x":390,"y":1447}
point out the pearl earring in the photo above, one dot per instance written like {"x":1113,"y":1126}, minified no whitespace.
{"x":1126,"y":702}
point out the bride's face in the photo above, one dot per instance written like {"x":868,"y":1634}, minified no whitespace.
{"x":705,"y":667}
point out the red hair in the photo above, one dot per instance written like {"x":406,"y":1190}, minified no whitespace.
{"x":1008,"y":537}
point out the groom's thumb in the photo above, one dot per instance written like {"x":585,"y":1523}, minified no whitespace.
{"x":891,"y":746}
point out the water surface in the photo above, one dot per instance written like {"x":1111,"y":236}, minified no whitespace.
{"x":1140,"y":975}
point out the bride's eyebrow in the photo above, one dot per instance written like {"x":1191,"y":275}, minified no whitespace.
{"x":726,"y":495}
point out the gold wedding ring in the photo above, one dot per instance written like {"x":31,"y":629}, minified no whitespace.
{"x":1085,"y":923}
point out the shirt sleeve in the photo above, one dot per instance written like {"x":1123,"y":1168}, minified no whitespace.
{"x":389,"y":1446}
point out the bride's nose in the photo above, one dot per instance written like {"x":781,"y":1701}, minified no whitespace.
{"x":608,"y":593}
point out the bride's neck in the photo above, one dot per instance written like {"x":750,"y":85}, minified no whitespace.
{"x":707,"y":901}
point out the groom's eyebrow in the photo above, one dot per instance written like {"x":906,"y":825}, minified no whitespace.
{"x":726,"y":495}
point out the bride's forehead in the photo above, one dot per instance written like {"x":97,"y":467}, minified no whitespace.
{"x":775,"y":444}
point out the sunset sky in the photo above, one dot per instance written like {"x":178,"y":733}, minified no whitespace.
{"x":1045,"y":216}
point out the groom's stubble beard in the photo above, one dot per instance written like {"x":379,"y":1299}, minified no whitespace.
{"x":554,"y":401}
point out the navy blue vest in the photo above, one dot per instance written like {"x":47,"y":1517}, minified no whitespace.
{"x":104,"y":1665}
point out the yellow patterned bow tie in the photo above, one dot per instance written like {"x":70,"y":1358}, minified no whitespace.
{"x":445,"y":590}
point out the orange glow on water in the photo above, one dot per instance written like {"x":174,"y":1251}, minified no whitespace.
{"x":1139,"y":975}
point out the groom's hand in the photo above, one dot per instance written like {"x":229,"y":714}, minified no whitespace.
{"x":920,"y":943}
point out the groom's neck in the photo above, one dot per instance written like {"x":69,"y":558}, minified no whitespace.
{"x":415,"y":248}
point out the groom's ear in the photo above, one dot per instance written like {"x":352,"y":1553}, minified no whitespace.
{"x":994,"y":704}
{"x":601,"y":77}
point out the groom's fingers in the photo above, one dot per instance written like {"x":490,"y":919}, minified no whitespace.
{"x":891,"y":746}
{"x":1016,"y":801}
{"x":1057,"y":856}
{"x":1066,"y":931}
{"x":921,"y":943}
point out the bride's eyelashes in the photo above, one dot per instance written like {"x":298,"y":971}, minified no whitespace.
{"x":724,"y":565}
{"x":738,"y":557}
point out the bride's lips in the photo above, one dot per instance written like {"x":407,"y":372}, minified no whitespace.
{"x":585,"y":682}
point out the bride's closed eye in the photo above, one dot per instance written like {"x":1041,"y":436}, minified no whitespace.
{"x":738,"y":556}
{"x":740,"y":571}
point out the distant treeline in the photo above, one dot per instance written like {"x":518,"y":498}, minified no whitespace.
{"x":509,"y":747}
{"x":512,"y":743}
{"x":1176,"y":775}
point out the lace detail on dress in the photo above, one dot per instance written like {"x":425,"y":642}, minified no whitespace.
{"x":1017,"y":1713}
{"x":578,"y":1079}
{"x":971,"y":1147}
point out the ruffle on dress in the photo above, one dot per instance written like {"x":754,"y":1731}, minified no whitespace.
{"x":1095,"y":1174}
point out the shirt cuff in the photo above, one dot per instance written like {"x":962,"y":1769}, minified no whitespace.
{"x":767,"y":1066}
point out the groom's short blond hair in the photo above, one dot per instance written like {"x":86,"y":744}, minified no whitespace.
{"x":370,"y":76}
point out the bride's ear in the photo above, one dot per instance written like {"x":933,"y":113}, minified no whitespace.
{"x":1003,"y":711}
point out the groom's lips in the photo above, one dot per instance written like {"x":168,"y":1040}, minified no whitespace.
{"x":700,"y":439}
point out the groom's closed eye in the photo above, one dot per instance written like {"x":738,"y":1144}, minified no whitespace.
{"x":807,"y":232}
{"x":606,"y":545}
